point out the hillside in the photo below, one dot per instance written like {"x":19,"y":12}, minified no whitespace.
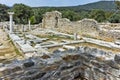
{"x":104,"y":5}
{"x":73,"y":13}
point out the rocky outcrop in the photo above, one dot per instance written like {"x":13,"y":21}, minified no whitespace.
{"x":82,"y":63}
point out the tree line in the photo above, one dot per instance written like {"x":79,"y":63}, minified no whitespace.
{"x":23,"y":13}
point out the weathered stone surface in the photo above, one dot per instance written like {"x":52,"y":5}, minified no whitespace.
{"x":113,"y":64}
{"x":54,"y":20}
{"x":50,"y":19}
{"x":1,"y":44}
{"x":74,"y":65}
{"x":45,"y":56}
{"x":30,"y":72}
{"x":117,"y":58}
{"x":16,"y":68}
{"x":6,"y":71}
{"x":28,"y":64}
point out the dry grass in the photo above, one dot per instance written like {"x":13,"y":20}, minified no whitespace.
{"x":8,"y":50}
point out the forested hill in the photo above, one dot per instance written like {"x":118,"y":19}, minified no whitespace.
{"x":101,"y":11}
{"x":104,"y":5}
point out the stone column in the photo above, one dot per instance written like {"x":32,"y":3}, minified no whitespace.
{"x":29,"y":25}
{"x":11,"y":21}
{"x":75,"y":36}
{"x":23,"y":28}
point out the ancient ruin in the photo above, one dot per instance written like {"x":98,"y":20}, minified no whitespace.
{"x":59,"y":49}
{"x":54,"y":20}
{"x":11,"y":21}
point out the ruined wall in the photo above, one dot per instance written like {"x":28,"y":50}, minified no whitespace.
{"x":21,"y":27}
{"x":112,"y":25}
{"x":110,"y":30}
{"x":4,"y":24}
{"x":54,"y":20}
{"x":50,"y":19}
{"x":83,"y":26}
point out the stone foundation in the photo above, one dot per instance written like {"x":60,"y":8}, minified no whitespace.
{"x":82,"y":63}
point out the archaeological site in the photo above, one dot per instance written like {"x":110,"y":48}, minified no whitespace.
{"x":59,"y":49}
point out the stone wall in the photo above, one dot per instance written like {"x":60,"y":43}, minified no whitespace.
{"x":50,"y":19}
{"x":81,"y":63}
{"x":110,"y":34}
{"x":54,"y":20}
{"x":110,"y":30}
{"x":112,"y":25}
{"x":21,"y":27}
{"x":82,"y":27}
{"x":4,"y":24}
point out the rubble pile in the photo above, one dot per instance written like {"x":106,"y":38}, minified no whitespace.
{"x":82,"y":63}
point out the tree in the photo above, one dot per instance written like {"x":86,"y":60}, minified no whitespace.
{"x":117,"y":2}
{"x":38,"y":14}
{"x":115,"y":18}
{"x":98,"y":15}
{"x":32,"y":19}
{"x":70,"y":15}
{"x":83,"y":14}
{"x":22,"y":13}
{"x":3,"y":13}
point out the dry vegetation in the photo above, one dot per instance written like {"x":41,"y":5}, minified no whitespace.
{"x":7,"y":49}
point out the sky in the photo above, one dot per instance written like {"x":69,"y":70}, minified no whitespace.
{"x":37,"y":3}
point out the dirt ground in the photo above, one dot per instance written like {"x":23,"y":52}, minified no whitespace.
{"x":7,"y":49}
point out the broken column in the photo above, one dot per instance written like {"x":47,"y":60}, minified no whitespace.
{"x":23,"y":28}
{"x":29,"y":25}
{"x":75,"y":36}
{"x":11,"y":21}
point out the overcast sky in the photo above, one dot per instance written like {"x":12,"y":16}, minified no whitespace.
{"x":34,"y":3}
